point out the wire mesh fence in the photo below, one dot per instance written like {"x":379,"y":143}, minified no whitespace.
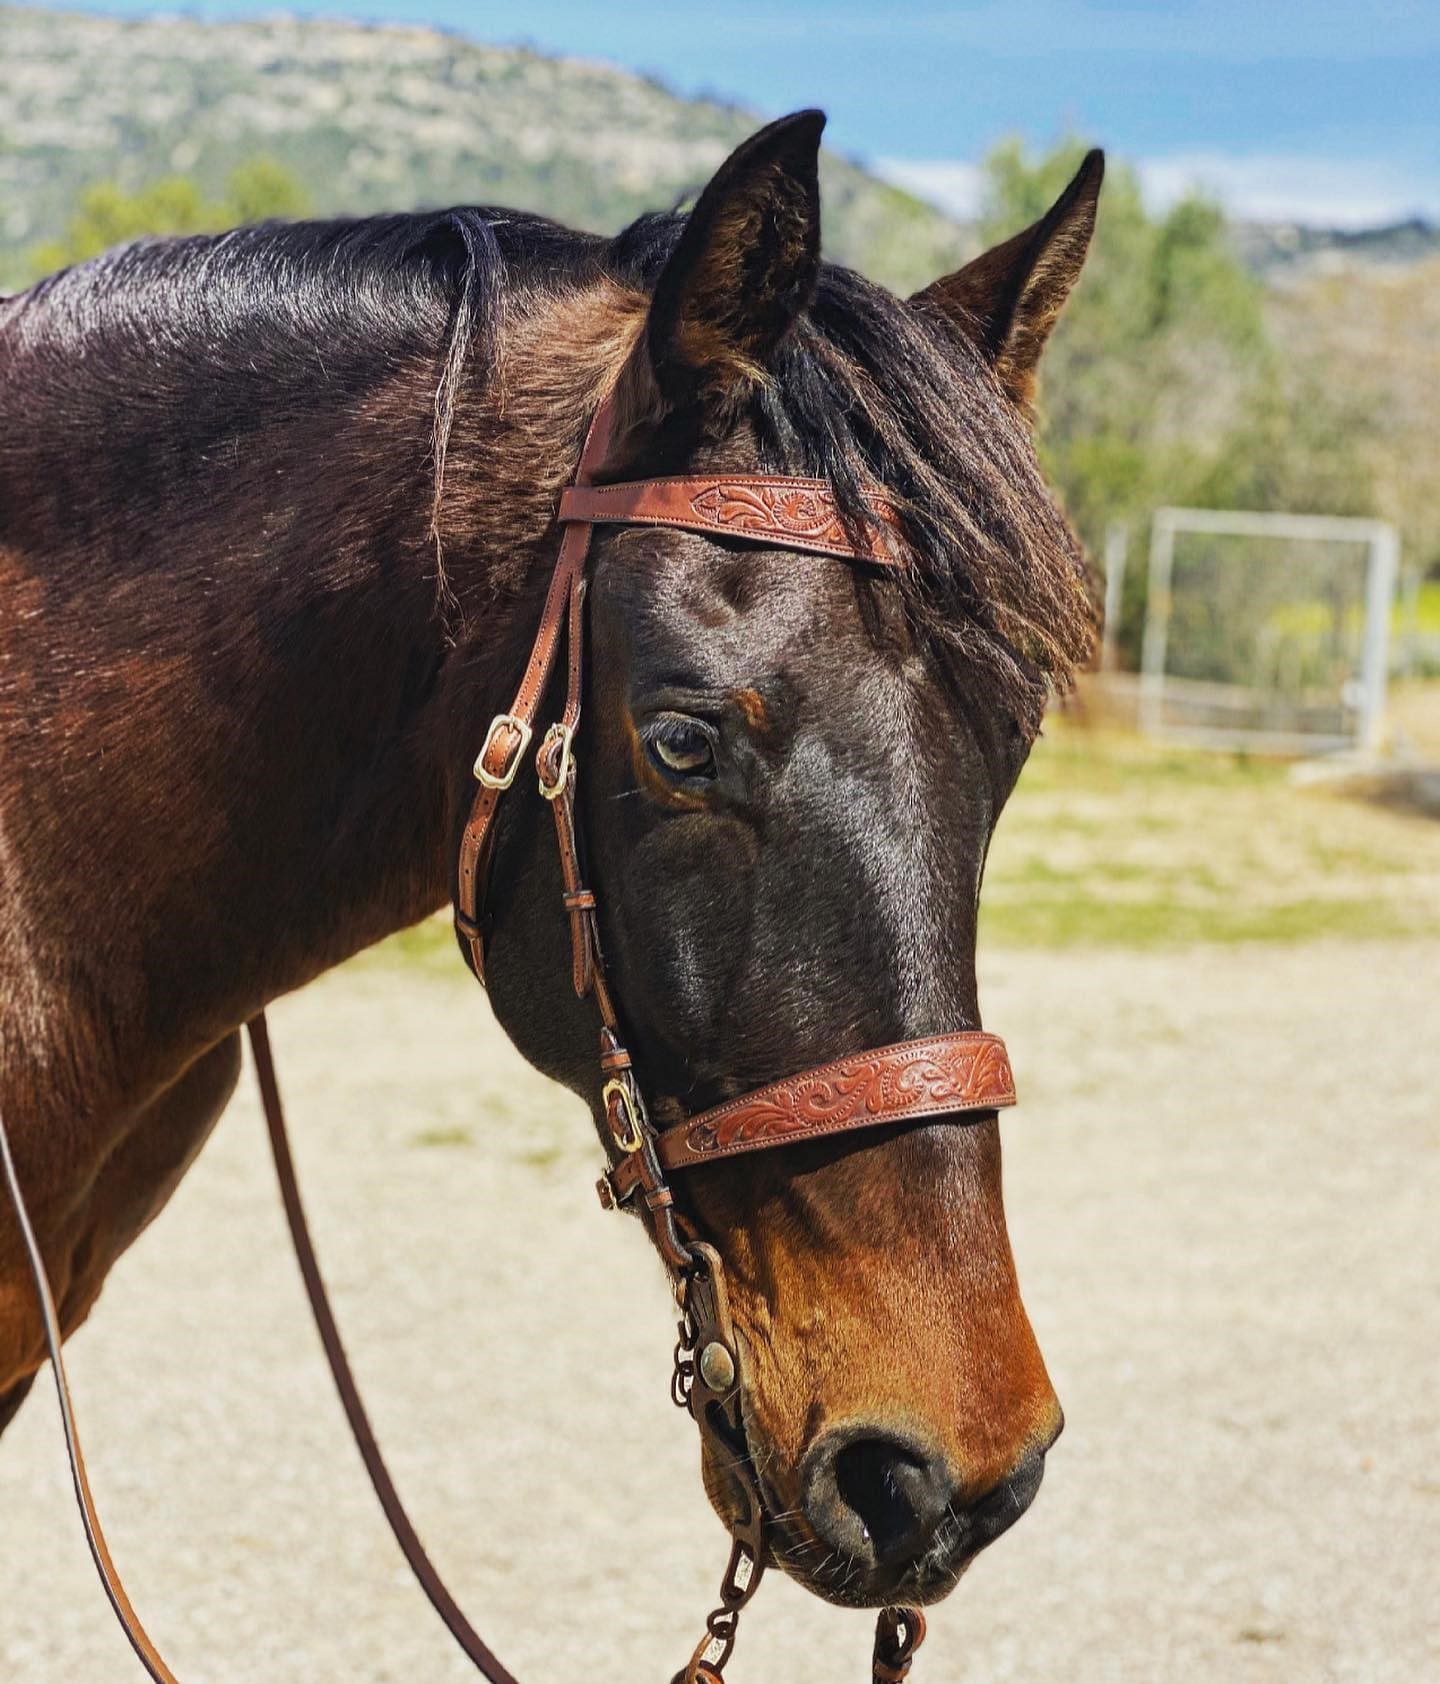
{"x":1267,"y":630}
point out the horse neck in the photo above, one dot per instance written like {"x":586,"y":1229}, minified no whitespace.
{"x":413,"y":636}
{"x":269,"y":705}
{"x":234,"y":748}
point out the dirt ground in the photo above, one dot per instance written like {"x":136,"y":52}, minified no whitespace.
{"x":1223,"y":1188}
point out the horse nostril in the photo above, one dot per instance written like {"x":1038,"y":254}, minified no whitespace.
{"x":876,"y":1480}
{"x":875,"y":1496}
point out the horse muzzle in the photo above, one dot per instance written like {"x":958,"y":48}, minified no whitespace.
{"x":881,"y":1516}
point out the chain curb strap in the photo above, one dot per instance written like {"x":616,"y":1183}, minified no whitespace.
{"x":707,"y":1383}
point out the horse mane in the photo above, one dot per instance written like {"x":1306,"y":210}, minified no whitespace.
{"x":273,"y":303}
{"x":263,"y":289}
{"x":866,"y":390}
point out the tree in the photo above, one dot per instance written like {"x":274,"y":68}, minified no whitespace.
{"x":1166,"y":381}
{"x":1149,"y":372}
{"x":1371,"y":337}
{"x":108,"y":216}
{"x":260,"y":190}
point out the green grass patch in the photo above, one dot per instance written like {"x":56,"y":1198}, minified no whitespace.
{"x":444,"y":1137}
{"x":1427,"y":612}
{"x":428,"y":947}
{"x":1084,"y":919}
{"x":1110,"y":840}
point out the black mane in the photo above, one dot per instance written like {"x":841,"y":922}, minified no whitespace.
{"x":272,"y":289}
{"x":871,"y":390}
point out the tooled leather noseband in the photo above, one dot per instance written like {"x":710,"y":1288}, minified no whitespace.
{"x":950,"y":1075}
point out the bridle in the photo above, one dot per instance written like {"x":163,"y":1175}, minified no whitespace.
{"x":965,"y":1073}
{"x":950,"y":1075}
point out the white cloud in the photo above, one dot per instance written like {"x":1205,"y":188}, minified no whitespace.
{"x":1327,"y":192}
{"x":1334,"y":192}
{"x":947,"y":182}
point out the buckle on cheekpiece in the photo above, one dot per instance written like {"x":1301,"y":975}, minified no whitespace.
{"x":506,"y":776}
{"x":559,"y":737}
{"x":622,"y":1116}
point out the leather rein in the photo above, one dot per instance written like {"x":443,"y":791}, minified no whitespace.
{"x":965,"y":1073}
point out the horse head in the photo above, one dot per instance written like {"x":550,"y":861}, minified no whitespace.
{"x":791,"y":769}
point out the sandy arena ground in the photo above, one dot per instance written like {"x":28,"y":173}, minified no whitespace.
{"x":1223,"y":1194}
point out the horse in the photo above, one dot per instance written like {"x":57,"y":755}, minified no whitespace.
{"x":277,"y":515}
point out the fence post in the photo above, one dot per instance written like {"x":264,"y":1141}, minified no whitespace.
{"x":1117,"y":543}
{"x":1379,"y":594}
{"x":1157,"y":623}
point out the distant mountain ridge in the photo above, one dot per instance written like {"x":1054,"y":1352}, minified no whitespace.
{"x":390,"y":117}
{"x":1290,"y":250}
{"x":376,"y":118}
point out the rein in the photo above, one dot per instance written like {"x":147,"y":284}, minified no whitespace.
{"x":965,"y":1073}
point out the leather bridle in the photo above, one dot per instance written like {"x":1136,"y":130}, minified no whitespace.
{"x":965,"y":1073}
{"x":957,"y":1074}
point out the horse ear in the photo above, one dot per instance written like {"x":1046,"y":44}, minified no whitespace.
{"x":1008,"y":299}
{"x":744,"y":268}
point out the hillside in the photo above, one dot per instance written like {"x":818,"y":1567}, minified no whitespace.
{"x":1286,"y":252}
{"x":389,"y":118}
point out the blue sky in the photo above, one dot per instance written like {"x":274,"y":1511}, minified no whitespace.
{"x":1322,"y":110}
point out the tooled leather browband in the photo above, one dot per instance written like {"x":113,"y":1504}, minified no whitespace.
{"x":774,"y":509}
{"x":791,"y":514}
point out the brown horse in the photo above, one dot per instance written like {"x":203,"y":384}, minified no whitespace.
{"x":276,"y":512}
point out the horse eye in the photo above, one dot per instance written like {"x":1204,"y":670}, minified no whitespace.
{"x":680,"y":747}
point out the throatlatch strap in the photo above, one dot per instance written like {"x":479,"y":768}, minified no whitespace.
{"x":503,"y":750}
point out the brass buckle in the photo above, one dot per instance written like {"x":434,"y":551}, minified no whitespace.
{"x":500,"y":722}
{"x":631,"y":1139}
{"x":559,"y":732}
